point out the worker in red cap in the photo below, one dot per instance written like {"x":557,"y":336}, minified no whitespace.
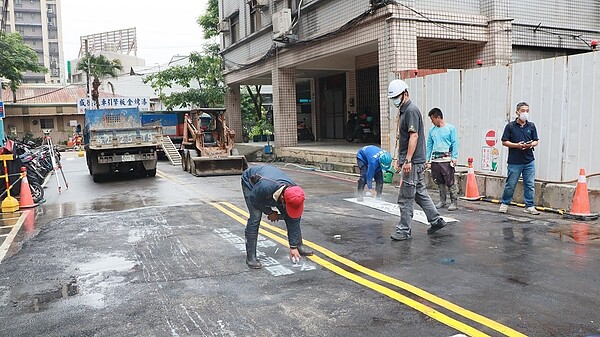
{"x":265,"y":187}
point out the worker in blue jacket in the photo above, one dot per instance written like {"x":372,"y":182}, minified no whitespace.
{"x":265,"y":187}
{"x":372,"y":162}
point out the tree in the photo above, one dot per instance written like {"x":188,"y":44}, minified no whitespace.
{"x":202,"y":69}
{"x":209,"y":23}
{"x":99,"y":66}
{"x":210,"y":20}
{"x":16,"y":58}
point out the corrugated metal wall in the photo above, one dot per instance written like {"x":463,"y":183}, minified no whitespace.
{"x":564,"y":102}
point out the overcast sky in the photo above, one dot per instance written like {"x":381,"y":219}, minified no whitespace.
{"x":164,"y":28}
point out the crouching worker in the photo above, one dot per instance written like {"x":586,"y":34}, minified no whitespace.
{"x":265,"y":187}
{"x":372,"y":162}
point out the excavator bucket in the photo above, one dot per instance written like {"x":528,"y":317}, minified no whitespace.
{"x":207,"y":166}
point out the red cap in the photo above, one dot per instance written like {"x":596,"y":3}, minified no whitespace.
{"x":293,"y":197}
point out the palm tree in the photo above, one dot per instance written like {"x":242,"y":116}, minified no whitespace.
{"x":98,"y":66}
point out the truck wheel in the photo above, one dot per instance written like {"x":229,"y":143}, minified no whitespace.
{"x":151,"y":173}
{"x":97,"y":178}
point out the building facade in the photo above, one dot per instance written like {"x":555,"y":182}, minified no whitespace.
{"x":328,"y":58}
{"x":39,"y":22}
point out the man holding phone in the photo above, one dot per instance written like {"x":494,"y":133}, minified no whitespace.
{"x":520,"y":136}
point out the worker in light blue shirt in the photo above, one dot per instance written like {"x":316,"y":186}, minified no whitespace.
{"x":442,"y":156}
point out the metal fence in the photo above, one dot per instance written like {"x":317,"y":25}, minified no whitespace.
{"x":564,"y":99}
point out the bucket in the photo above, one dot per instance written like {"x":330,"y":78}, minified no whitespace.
{"x":268,"y":149}
{"x":388,"y":176}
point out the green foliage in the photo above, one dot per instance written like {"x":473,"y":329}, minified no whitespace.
{"x":248,"y":113}
{"x":210,"y":20}
{"x":16,"y":58}
{"x":203,"y":69}
{"x":99,"y":66}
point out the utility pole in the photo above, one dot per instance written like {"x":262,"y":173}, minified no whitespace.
{"x":160,"y":91}
{"x":87,"y":73}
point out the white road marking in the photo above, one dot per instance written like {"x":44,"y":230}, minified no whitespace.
{"x":390,"y":208}
{"x":11,"y":236}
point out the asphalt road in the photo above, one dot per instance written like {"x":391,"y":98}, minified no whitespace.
{"x":164,"y":256}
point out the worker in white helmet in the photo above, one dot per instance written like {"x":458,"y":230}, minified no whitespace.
{"x":411,"y":162}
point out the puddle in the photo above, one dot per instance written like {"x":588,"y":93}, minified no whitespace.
{"x":42,"y":300}
{"x":580,"y":233}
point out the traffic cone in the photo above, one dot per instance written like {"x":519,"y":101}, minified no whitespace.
{"x":25,"y":198}
{"x":471,"y":189}
{"x":580,"y":208}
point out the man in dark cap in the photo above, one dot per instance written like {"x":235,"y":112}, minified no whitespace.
{"x":265,"y":187}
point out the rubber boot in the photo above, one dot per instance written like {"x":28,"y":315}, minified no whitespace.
{"x":379,"y":190}
{"x":251,"y":260}
{"x":304,"y":251}
{"x":453,"y":198}
{"x":360,"y":191}
{"x":442,"y":202}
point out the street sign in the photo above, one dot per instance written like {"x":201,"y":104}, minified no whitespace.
{"x":1,"y":109}
{"x":490,"y":138}
{"x":141,"y":102}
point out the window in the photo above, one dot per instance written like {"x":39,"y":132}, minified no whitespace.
{"x":19,"y":16}
{"x":46,"y":123}
{"x":234,"y":23}
{"x":292,"y":4}
{"x":18,"y":3}
{"x":255,"y":18}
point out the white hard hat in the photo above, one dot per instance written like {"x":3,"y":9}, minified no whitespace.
{"x":396,"y":87}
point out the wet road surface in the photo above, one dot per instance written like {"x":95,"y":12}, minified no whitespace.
{"x":165,"y":256}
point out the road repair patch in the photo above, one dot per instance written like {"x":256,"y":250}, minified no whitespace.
{"x":390,"y":208}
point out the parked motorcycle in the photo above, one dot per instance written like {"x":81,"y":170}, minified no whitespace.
{"x":360,"y":127}
{"x":304,"y":131}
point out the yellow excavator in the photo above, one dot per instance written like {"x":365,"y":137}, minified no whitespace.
{"x":208,"y":146}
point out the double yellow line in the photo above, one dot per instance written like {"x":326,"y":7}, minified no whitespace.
{"x":280,"y":236}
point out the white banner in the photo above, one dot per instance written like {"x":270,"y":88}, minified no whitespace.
{"x":143,"y":103}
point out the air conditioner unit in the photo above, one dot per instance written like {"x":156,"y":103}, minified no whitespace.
{"x":224,"y":26}
{"x":282,"y":22}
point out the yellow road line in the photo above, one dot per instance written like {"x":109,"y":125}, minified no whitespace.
{"x":449,"y":321}
{"x":390,"y":280}
{"x":11,"y":236}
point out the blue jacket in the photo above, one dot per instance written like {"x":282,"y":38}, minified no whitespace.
{"x":263,"y":181}
{"x":370,"y":155}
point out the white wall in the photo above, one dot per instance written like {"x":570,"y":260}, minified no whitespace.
{"x":564,"y":104}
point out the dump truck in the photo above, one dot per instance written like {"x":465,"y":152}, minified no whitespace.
{"x":116,"y":142}
{"x":208,"y":145}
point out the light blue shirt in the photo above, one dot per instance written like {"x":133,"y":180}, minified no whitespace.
{"x":444,"y":139}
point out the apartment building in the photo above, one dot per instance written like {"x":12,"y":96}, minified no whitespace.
{"x":39,"y":22}
{"x":328,"y":58}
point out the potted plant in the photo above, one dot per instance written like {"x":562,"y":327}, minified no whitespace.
{"x":255,"y":133}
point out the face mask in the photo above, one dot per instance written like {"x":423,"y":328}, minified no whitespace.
{"x":398,"y":101}
{"x":524,"y":116}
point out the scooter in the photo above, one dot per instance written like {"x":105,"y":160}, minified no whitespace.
{"x":359,"y":127}
{"x":304,"y":131}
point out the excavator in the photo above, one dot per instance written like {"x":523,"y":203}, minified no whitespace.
{"x":208,"y":144}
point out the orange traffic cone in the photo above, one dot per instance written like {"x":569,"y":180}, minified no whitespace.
{"x":25,"y":199}
{"x":580,"y":209}
{"x":471,"y":190}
